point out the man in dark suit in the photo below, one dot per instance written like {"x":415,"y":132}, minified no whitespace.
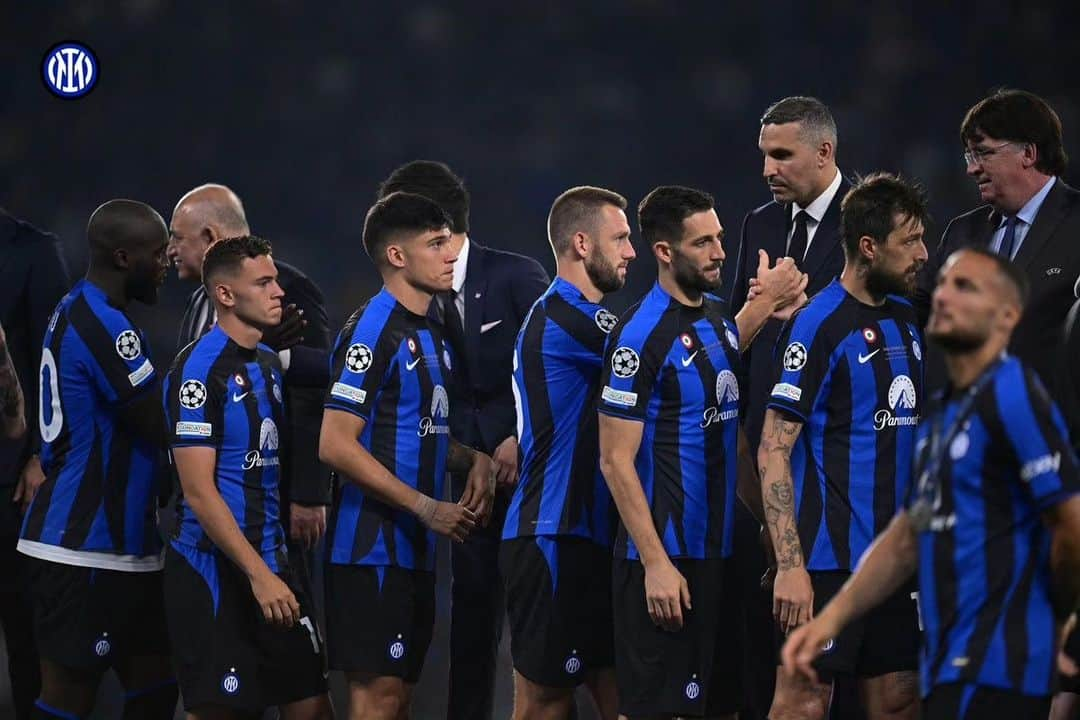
{"x":202,"y":217}
{"x":492,"y":292}
{"x":1014,"y":153}
{"x":798,"y":142}
{"x":33,"y":278}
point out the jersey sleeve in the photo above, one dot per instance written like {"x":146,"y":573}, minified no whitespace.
{"x":116,"y":362}
{"x":194,"y":402}
{"x":802,"y":365}
{"x":1036,"y":430}
{"x":358,"y":368}
{"x":629,"y":372}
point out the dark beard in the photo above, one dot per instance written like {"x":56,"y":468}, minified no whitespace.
{"x":880,"y":283}
{"x":690,"y":279}
{"x":603,"y":275}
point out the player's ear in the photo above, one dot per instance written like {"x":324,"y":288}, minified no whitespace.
{"x":121,"y":259}
{"x":395,"y":256}
{"x":662,"y":250}
{"x":581,"y":243}
{"x":867,"y":248}
{"x":224,"y":295}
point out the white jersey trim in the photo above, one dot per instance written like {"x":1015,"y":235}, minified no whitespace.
{"x":100,"y":560}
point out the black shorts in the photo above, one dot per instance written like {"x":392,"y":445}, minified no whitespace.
{"x":957,"y":701}
{"x":89,"y":618}
{"x":379,"y":619}
{"x":224,"y":651}
{"x":693,"y":671}
{"x":558,"y":602}
{"x":885,"y":640}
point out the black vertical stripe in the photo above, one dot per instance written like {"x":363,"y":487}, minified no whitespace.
{"x":837,"y":463}
{"x":376,"y":516}
{"x":541,"y":418}
{"x":254,"y":496}
{"x":429,"y":447}
{"x":669,"y":498}
{"x":102,"y":345}
{"x":714,"y":450}
{"x":944,"y":570}
{"x":883,"y":504}
{"x":87,"y":497}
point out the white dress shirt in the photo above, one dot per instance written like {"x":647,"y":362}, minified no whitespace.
{"x":1026,"y":217}
{"x":815,"y":211}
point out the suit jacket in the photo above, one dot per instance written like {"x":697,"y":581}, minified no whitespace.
{"x":500,"y":288}
{"x":1049,"y":255}
{"x":33,"y":278}
{"x":1067,"y":379}
{"x":767,"y":228}
{"x":306,"y":480}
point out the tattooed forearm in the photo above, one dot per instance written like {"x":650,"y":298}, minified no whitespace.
{"x":12,"y":418}
{"x":778,"y":489}
{"x":459,"y":458}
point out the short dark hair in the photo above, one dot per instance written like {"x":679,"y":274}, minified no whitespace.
{"x":1006,"y":269}
{"x":1018,"y":116}
{"x":662,"y":211}
{"x":396,"y":213}
{"x":576,"y":210}
{"x":817,"y":121}
{"x":435,"y":181}
{"x":226,"y":256}
{"x":870,"y":205}
{"x":124,"y":224}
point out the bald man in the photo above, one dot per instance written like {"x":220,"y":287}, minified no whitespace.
{"x":90,"y":533}
{"x":213,"y":212}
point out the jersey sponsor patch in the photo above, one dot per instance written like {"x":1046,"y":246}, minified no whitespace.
{"x":787,"y":390}
{"x":619,"y":397}
{"x":348,"y":392}
{"x":144,"y":371}
{"x":194,"y":429}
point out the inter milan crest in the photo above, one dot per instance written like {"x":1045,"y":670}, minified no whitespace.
{"x":128,"y":345}
{"x":605,"y":320}
{"x":625,"y":362}
{"x":192,"y":394}
{"x":795,"y":357}
{"x":358,"y":358}
{"x":916,"y":350}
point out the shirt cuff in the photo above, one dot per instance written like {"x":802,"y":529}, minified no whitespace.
{"x":285,"y":356}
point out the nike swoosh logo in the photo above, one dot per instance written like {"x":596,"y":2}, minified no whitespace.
{"x":487,"y":326}
{"x":238,"y":398}
{"x":411,"y":365}
{"x":864,"y":358}
{"x":689,"y":359}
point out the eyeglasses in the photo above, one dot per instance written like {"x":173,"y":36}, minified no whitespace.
{"x":977,"y":156}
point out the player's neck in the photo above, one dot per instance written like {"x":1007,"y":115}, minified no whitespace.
{"x":575,"y":274}
{"x":244,"y":335}
{"x":414,"y":299}
{"x":111,"y":284}
{"x":964,"y":368}
{"x":854,"y":281}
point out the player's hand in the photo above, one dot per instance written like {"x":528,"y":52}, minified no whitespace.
{"x":793,"y":598}
{"x":307,"y":523}
{"x":453,"y":520}
{"x":804,"y":644}
{"x":666,"y":594}
{"x":784,"y":314}
{"x":30,"y":480}
{"x":781,"y":285}
{"x":1067,"y":664}
{"x":479,"y":493}
{"x":289,"y":332}
{"x":504,"y":461}
{"x":276,"y":600}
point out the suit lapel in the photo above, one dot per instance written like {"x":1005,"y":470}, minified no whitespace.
{"x":1049,"y":217}
{"x":475,"y":287}
{"x":775,"y":241}
{"x":827,"y":234}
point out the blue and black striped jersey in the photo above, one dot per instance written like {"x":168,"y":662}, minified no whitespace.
{"x":97,"y":506}
{"x":852,"y":374}
{"x":391,"y":369}
{"x":674,"y":368}
{"x":984,"y":553}
{"x":221,"y":395}
{"x":557,"y":361}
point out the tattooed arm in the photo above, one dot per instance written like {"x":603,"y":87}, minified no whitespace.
{"x":12,"y":404}
{"x":793,"y":595}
